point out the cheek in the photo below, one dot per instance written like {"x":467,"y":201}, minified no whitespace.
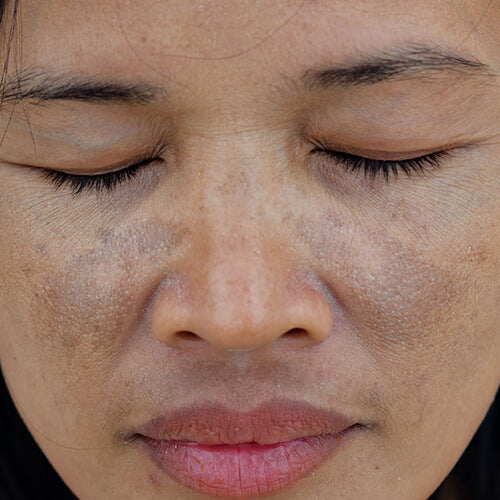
{"x":385,"y":287}
{"x":409,"y":302}
{"x":71,"y":310}
{"x":80,"y":308}
{"x":425,"y":316}
{"x":102,"y":293}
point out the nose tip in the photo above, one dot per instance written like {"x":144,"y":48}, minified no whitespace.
{"x":248,"y":315}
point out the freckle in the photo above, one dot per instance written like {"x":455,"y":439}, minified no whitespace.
{"x":476,"y":255}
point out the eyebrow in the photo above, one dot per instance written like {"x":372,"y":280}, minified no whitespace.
{"x":41,"y":87}
{"x":415,"y":61}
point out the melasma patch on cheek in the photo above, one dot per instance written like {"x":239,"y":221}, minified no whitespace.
{"x":389,"y":290}
{"x":93,"y":303}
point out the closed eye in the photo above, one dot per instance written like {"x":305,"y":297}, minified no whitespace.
{"x":386,"y":168}
{"x":99,"y":182}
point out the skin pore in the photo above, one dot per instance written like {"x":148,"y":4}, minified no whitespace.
{"x":244,"y":264}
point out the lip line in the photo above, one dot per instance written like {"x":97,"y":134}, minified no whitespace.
{"x":337,"y":435}
{"x":272,"y":422}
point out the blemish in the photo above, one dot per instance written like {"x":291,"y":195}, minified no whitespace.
{"x":387,"y":287}
{"x":97,"y":296}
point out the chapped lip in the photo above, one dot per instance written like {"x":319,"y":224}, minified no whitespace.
{"x":272,"y":422}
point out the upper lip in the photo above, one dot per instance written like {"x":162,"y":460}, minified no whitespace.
{"x":272,"y":422}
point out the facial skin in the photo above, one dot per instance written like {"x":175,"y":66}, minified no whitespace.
{"x":242,"y":233}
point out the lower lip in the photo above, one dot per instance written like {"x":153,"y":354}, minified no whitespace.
{"x":242,"y":470}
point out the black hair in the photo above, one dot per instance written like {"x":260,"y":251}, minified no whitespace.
{"x":476,"y":476}
{"x":26,"y":474}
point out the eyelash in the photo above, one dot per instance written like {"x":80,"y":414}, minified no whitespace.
{"x":385,"y":168}
{"x":96,"y":183}
{"x":369,"y":166}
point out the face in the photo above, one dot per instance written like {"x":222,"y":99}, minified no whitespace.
{"x":271,"y":228}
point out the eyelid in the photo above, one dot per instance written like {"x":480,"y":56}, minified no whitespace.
{"x":390,"y":156}
{"x":96,"y":183}
{"x":386,"y":168}
{"x":146,"y":154}
{"x":115,"y":168}
{"x":387,"y":156}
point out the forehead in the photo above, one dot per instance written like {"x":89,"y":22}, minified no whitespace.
{"x":157,"y":38}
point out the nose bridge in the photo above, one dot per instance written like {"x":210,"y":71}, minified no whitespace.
{"x":243,"y":267}
{"x":237,"y":177}
{"x":240,"y":265}
{"x":241,"y":201}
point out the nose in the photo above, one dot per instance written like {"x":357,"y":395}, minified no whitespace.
{"x":241,"y":284}
{"x":242,"y":302}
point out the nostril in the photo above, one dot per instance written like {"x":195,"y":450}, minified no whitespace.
{"x":295,"y":332}
{"x":188,"y":336}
